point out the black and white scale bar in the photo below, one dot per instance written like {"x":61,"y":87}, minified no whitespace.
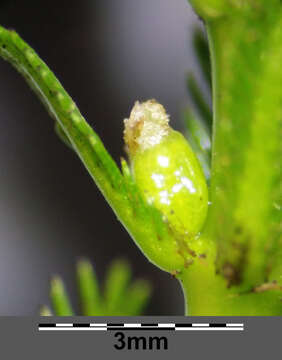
{"x":140,"y":326}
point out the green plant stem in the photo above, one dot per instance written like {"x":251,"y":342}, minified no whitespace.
{"x":243,"y":276}
{"x":206,"y":294}
{"x":246,"y":192}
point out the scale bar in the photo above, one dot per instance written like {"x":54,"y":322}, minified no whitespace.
{"x":140,"y":326}
{"x":209,"y":329}
{"x":71,"y":329}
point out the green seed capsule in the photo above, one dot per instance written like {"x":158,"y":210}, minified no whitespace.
{"x":165,"y":169}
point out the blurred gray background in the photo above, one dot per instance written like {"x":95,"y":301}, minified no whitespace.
{"x":107,"y":54}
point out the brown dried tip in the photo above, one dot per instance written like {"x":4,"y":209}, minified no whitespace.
{"x":146,"y":126}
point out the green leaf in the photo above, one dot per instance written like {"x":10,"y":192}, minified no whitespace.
{"x":45,"y":311}
{"x":199,"y":139}
{"x":59,"y":298}
{"x":119,"y":298}
{"x":117,"y":281}
{"x":201,"y":47}
{"x":199,"y":101}
{"x":62,"y":108}
{"x":144,"y":229}
{"x":88,"y":288}
{"x":199,"y":132}
{"x":213,"y":9}
{"x":136,"y":297}
{"x":62,"y":135}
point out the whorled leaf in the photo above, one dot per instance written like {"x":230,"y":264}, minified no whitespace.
{"x":119,"y":296}
{"x":145,"y":224}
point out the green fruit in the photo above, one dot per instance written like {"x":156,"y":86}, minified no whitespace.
{"x":166,"y":170}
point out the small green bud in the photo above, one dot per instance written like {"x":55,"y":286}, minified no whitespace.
{"x":166,"y":170}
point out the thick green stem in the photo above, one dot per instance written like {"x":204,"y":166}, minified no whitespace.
{"x":206,"y":294}
{"x":244,"y":275}
{"x":246,"y":157}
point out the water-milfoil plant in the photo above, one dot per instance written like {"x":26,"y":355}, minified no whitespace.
{"x":223,"y":242}
{"x":117,"y":297}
